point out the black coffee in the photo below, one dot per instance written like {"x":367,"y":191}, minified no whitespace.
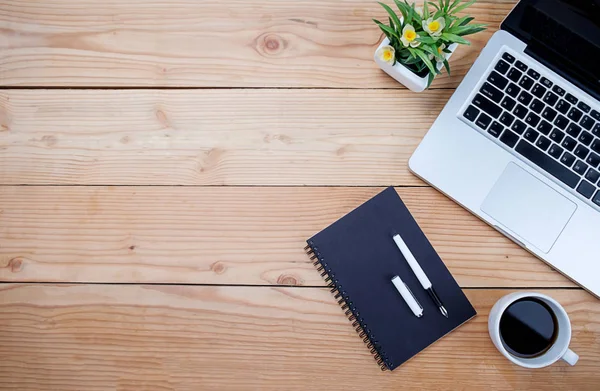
{"x":528,"y":328}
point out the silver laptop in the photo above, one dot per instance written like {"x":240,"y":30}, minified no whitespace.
{"x":518,"y":144}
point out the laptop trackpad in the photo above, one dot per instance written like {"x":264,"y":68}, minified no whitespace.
{"x":527,"y":208}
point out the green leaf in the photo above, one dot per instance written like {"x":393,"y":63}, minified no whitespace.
{"x":463,"y":6}
{"x":434,"y":5}
{"x":467,"y":30}
{"x":438,"y":14}
{"x":402,"y":8}
{"x":455,"y":38}
{"x":431,"y":50}
{"x":427,"y":61}
{"x":416,"y":16}
{"x":387,"y":30}
{"x":411,"y":15}
{"x":426,"y":40}
{"x":447,"y":66}
{"x":430,"y":79}
{"x":393,"y":16}
{"x":426,"y":10}
{"x":447,"y":5}
{"x":454,"y":4}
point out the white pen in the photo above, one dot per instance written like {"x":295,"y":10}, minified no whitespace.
{"x":408,"y":296}
{"x":421,"y":276}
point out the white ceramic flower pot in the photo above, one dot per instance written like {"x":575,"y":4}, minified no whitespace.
{"x":405,"y":76}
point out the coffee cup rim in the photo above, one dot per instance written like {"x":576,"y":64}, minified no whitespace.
{"x":524,"y":362}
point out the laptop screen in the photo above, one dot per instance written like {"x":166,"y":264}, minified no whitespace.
{"x":562,"y":34}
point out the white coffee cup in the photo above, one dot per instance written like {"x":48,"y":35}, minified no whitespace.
{"x":560,"y":347}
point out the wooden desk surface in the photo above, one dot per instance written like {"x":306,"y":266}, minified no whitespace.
{"x":162,"y":163}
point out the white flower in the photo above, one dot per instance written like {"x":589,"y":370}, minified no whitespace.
{"x":387,"y":54}
{"x":434,"y":27}
{"x":409,"y":36}
{"x":419,"y":11}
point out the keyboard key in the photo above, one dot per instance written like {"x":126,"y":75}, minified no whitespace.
{"x":519,"y":127}
{"x":539,"y":90}
{"x":550,"y":98}
{"x":583,"y":107}
{"x":595,"y":115}
{"x":567,"y":159}
{"x":491,"y":92}
{"x":587,"y":122}
{"x":546,"y":82}
{"x":537,"y":106}
{"x":547,"y":164}
{"x":525,"y":98}
{"x":574,"y":130}
{"x":549,"y":114}
{"x":544,"y":127}
{"x":596,"y":199}
{"x":509,"y":138}
{"x":471,"y":113}
{"x":502,"y":67}
{"x":513,"y":90}
{"x":586,"y":138}
{"x":520,"y":111}
{"x":496,"y":129}
{"x":531,"y":135}
{"x":508,"y":57}
{"x":521,"y":66}
{"x":514,"y":74}
{"x":532,"y":119}
{"x":581,"y":152}
{"x":534,"y":75}
{"x":569,"y":143}
{"x":561,"y":122}
{"x":596,"y":146}
{"x":586,"y":189}
{"x":483,"y":121}
{"x":575,"y":114}
{"x":570,"y":98}
{"x":558,"y":90}
{"x":563,"y":106}
{"x":593,"y":160}
{"x":507,"y":118}
{"x":487,"y":105}
{"x":592,"y":176}
{"x":498,"y":80}
{"x":543,"y":143}
{"x":557,"y":136}
{"x":580,"y":167}
{"x":596,"y":130}
{"x":555,"y":151}
{"x":508,"y":103}
{"x":526,"y":82}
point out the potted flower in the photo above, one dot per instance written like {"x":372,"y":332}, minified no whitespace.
{"x":419,"y":41}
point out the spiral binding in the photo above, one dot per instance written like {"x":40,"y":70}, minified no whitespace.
{"x":351,"y":312}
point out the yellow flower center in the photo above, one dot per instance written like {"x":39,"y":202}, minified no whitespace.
{"x":387,"y":55}
{"x":434,"y":26}
{"x":440,"y":50}
{"x":410,"y":35}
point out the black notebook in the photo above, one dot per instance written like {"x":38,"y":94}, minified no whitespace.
{"x":357,"y":257}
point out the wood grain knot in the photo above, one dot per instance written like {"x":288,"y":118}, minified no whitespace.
{"x":270,"y":45}
{"x":286,"y":279}
{"x":49,"y":140}
{"x":15,"y":265}
{"x":218,"y":268}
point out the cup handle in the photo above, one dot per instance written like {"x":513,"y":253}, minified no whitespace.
{"x":570,"y":357}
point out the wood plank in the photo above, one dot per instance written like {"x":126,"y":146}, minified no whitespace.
{"x":188,"y":338}
{"x":225,"y":235}
{"x":233,"y":43}
{"x":213,"y":137}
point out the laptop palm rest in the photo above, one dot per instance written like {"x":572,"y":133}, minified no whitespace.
{"x":528,"y":209}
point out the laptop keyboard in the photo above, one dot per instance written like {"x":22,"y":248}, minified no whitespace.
{"x":541,"y":122}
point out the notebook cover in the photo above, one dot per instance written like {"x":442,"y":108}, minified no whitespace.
{"x":361,"y":258}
